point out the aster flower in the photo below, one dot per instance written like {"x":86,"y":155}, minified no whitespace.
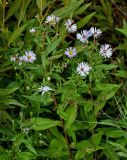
{"x":83,"y":69}
{"x":105,"y":51}
{"x":70,"y":52}
{"x":95,"y":32}
{"x":29,"y":56}
{"x":83,"y":37}
{"x":70,"y":26}
{"x":44,"y":89}
{"x":32,"y":30}
{"x":52,"y":20}
{"x":14,"y":58}
{"x":25,"y":130}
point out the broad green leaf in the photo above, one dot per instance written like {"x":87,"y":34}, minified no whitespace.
{"x":53,"y":46}
{"x":43,"y":123}
{"x":107,"y":87}
{"x":66,"y":11}
{"x":29,"y":146}
{"x":5,"y":92}
{"x":5,"y":156}
{"x":82,"y":9}
{"x":23,"y":9}
{"x":54,"y":57}
{"x":108,"y":122}
{"x":122,"y":154}
{"x":85,"y":20}
{"x":121,"y":147}
{"x":40,"y":4}
{"x":16,"y":34}
{"x":109,"y":153}
{"x":122,"y":30}
{"x":14,"y":102}
{"x":71,"y":114}
{"x":26,"y":156}
{"x":13,"y":8}
{"x":106,"y":66}
{"x":96,"y":138}
{"x":120,"y":73}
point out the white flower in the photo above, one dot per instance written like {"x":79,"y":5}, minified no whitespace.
{"x":105,"y":51}
{"x":14,"y":58}
{"x":32,"y":30}
{"x":44,"y":89}
{"x":83,"y":69}
{"x":83,"y":37}
{"x":95,"y":32}
{"x":48,"y":78}
{"x":25,"y":130}
{"x":70,"y":26}
{"x":52,"y":20}
{"x":70,"y":52}
{"x":29,"y":56}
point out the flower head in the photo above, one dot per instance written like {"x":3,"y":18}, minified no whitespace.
{"x":83,"y":69}
{"x":83,"y":37}
{"x":95,"y":32}
{"x":29,"y":57}
{"x":52,"y":20}
{"x":25,"y":130}
{"x":105,"y":51}
{"x":44,"y":89}
{"x":14,"y":58}
{"x":70,"y":52}
{"x":70,"y":26}
{"x":32,"y":30}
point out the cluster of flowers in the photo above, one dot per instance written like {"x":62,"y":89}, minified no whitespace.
{"x":83,"y":68}
{"x":29,"y":56}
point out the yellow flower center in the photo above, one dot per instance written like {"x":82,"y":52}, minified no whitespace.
{"x":29,"y":57}
{"x":70,"y":52}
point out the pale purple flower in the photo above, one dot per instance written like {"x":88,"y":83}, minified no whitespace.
{"x":14,"y":58}
{"x":32,"y":30}
{"x":29,"y":56}
{"x":83,"y":69}
{"x":95,"y":32}
{"x":70,"y":52}
{"x":70,"y":26}
{"x":106,"y":51}
{"x":52,"y":20}
{"x":83,"y":37}
{"x":44,"y":89}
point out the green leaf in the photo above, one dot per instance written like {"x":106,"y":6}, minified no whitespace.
{"x":65,"y":11}
{"x":53,"y":46}
{"x":106,"y":66}
{"x":13,"y":102}
{"x":96,"y":138}
{"x":26,"y":156}
{"x":111,"y":154}
{"x":40,"y":4}
{"x":82,"y":9}
{"x":85,"y":20}
{"x":71,"y":114}
{"x":16,"y":34}
{"x":122,"y":154}
{"x":119,"y":146}
{"x":29,"y":146}
{"x":108,"y":122}
{"x":43,"y":123}
{"x":5,"y":92}
{"x":123,"y":31}
{"x":120,"y":73}
{"x":13,"y":8}
{"x":106,"y":87}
